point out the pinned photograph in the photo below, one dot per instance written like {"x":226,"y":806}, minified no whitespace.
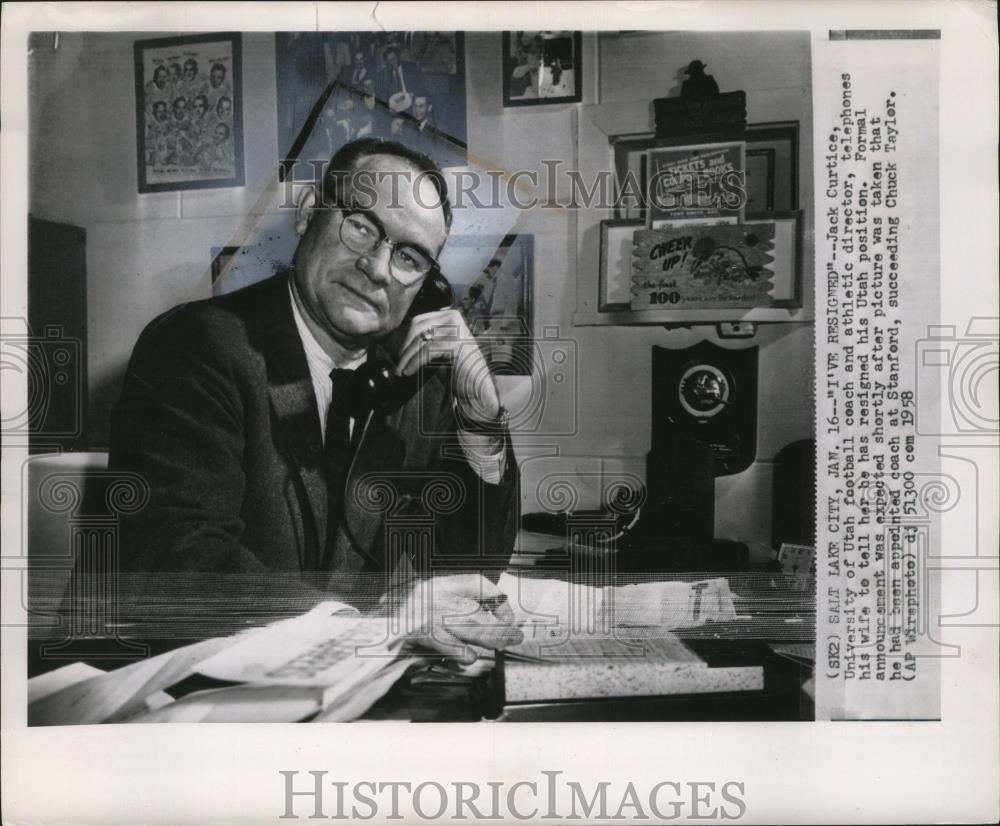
{"x":189,"y":112}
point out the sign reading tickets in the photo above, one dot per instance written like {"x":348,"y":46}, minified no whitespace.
{"x":697,"y":184}
{"x":703,"y":267}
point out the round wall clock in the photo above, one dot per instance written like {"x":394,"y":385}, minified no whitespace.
{"x":704,"y":390}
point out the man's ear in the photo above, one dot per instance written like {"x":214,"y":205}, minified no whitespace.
{"x":304,"y":209}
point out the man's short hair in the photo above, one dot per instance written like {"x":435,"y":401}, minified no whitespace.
{"x":346,"y":159}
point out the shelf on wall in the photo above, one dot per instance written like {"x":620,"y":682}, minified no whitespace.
{"x":689,"y":317}
{"x":604,"y":132}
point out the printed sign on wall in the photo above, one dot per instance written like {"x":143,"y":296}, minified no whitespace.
{"x":696,"y":184}
{"x":703,"y":267}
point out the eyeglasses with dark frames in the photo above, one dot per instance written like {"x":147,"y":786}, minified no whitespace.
{"x":361,"y":232}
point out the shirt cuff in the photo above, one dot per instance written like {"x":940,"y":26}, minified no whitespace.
{"x":331,"y":607}
{"x":489,"y":465}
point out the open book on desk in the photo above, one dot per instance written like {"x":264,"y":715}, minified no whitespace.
{"x":652,"y":662}
{"x":585,"y":641}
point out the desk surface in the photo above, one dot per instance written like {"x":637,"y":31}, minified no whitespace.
{"x":778,"y":614}
{"x":103,"y":696}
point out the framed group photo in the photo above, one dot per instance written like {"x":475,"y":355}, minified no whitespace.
{"x":334,"y":87}
{"x":189,"y":112}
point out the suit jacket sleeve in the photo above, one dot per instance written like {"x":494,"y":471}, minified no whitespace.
{"x":483,"y":531}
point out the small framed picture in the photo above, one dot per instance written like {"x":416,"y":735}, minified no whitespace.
{"x":189,"y":112}
{"x":697,"y":184}
{"x":542,"y":67}
{"x":615,"y":264}
{"x":492,"y":277}
{"x":771,"y":168}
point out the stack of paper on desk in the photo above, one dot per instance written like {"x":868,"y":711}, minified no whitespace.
{"x":335,"y":666}
{"x":312,"y":650}
{"x":589,"y":641}
{"x":330,"y":667}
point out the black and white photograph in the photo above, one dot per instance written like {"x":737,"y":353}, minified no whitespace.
{"x":497,"y":302}
{"x":189,"y":115}
{"x":541,"y":67}
{"x":401,"y":85}
{"x":330,"y":433}
{"x":490,"y":424}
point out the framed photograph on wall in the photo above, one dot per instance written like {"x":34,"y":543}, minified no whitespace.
{"x":189,"y":112}
{"x":695,"y":184}
{"x":335,"y":87}
{"x":493,"y":277}
{"x":542,"y":67}
{"x":772,"y":168}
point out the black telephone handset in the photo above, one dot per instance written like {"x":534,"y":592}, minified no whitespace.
{"x":375,"y":386}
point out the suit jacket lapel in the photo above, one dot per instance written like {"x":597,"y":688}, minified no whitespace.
{"x":380,"y":452}
{"x":296,"y":416}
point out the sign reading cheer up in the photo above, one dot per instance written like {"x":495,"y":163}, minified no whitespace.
{"x":703,"y":267}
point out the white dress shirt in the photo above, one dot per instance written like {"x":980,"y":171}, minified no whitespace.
{"x":489,"y":466}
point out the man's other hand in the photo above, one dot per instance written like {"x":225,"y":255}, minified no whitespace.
{"x":458,"y":615}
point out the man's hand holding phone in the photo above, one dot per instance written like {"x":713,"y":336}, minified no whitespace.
{"x":443,"y":336}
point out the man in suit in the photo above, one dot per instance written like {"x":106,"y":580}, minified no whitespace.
{"x":265,"y":493}
{"x":353,"y":77}
{"x":399,"y":81}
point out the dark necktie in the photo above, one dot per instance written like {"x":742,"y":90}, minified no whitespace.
{"x":337,"y":447}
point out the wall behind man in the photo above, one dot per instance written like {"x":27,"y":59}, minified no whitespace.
{"x":613,"y":399}
{"x":146,"y":253}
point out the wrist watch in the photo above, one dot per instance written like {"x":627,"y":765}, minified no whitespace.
{"x":492,"y":427}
